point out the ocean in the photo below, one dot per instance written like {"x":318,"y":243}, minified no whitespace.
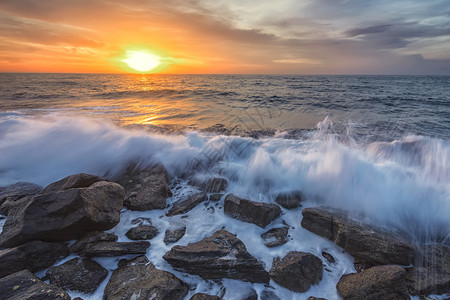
{"x":375,"y":146}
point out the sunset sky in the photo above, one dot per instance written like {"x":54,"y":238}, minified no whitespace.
{"x":228,"y":36}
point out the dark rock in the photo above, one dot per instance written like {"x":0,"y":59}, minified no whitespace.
{"x":275,"y":237}
{"x":81,"y":180}
{"x":297,"y":271}
{"x":15,"y":205}
{"x":109,"y":249}
{"x":183,"y":206}
{"x":90,"y":238}
{"x":221,"y":255}
{"x":146,"y":188}
{"x":269,"y":295}
{"x":174,"y":235}
{"x":250,"y":295}
{"x":79,"y":274}
{"x":210,"y":185}
{"x":24,"y":285}
{"x":261,"y":214}
{"x":367,"y":244}
{"x":141,"y":221}
{"x":380,"y":282}
{"x":215,"y":197}
{"x":315,"y":298}
{"x":142,"y":232}
{"x":328,"y":257}
{"x":423,"y":281}
{"x":9,"y":195}
{"x":138,"y":279}
{"x":434,"y":257}
{"x":64,"y":215}
{"x":290,"y":200}
{"x":201,"y":296}
{"x":34,"y":256}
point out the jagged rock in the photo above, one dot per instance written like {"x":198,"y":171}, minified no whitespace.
{"x":90,"y":238}
{"x":174,"y":235}
{"x":202,"y":296}
{"x":261,"y":214}
{"x":380,"y":282}
{"x":79,"y":274}
{"x":24,"y":285}
{"x":221,"y":255}
{"x":297,"y":271}
{"x":368,"y":245}
{"x":290,"y":200}
{"x":215,"y":197}
{"x":109,"y":249}
{"x":11,"y":194}
{"x":138,"y":279}
{"x":275,"y":237}
{"x":15,"y":205}
{"x":183,"y":206}
{"x":210,"y":185}
{"x":64,"y":215}
{"x":146,"y":188}
{"x":33,"y":256}
{"x":142,"y":232}
{"x":81,"y":180}
{"x":328,"y":257}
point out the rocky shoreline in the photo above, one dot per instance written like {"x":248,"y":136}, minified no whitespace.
{"x":69,"y":218}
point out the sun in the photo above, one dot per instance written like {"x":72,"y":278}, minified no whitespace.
{"x":141,"y":61}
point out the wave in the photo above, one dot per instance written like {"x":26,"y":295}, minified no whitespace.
{"x":404,"y":183}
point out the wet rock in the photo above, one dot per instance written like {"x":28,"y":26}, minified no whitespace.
{"x":174,"y":235}
{"x":90,"y":238}
{"x":34,"y":256}
{"x":11,"y":194}
{"x":141,"y":221}
{"x":81,"y":180}
{"x":183,"y":206}
{"x":24,"y":285}
{"x":210,"y":185}
{"x":138,"y":279}
{"x":261,"y":214}
{"x":221,"y":255}
{"x":146,"y":188}
{"x":328,"y":257}
{"x":380,"y":282}
{"x":315,"y":298}
{"x":13,"y":205}
{"x":64,"y":215}
{"x":79,"y":274}
{"x":142,"y":232}
{"x":297,"y":271}
{"x":202,"y":296}
{"x":215,"y":197}
{"x":250,"y":295}
{"x":269,"y":295}
{"x":368,"y":245}
{"x":109,"y":249}
{"x":275,"y":237}
{"x":290,"y":200}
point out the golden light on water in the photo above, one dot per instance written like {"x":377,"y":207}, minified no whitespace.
{"x":141,"y":61}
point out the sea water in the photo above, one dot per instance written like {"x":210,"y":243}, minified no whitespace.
{"x":375,"y":146}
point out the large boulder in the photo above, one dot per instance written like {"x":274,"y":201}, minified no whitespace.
{"x":80,"y":180}
{"x":210,"y":185}
{"x":297,"y":271}
{"x":24,"y":285}
{"x":221,"y":255}
{"x":146,"y":188}
{"x":381,"y":282}
{"x":369,"y":246}
{"x":64,"y":215}
{"x":275,"y":237}
{"x":9,"y":195}
{"x":183,"y":206}
{"x":78,"y":274}
{"x":290,"y":200}
{"x":261,"y":214}
{"x":138,"y":279}
{"x":34,"y":256}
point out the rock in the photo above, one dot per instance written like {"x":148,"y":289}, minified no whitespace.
{"x":261,"y":214}
{"x":142,"y":232}
{"x":141,"y":221}
{"x":250,"y":295}
{"x":328,"y":257}
{"x":81,"y":180}
{"x":368,"y":245}
{"x":269,"y":295}
{"x":15,"y":205}
{"x":215,"y":197}
{"x":34,"y":256}
{"x":24,"y":285}
{"x":9,"y":195}
{"x":138,"y":279}
{"x":297,"y":271}
{"x":434,"y":257}
{"x":210,"y":185}
{"x":64,"y":215}
{"x":315,"y":298}
{"x":174,"y":235}
{"x":380,"y":282}
{"x":423,"y":281}
{"x":183,"y":206}
{"x":109,"y":249}
{"x":90,"y":238}
{"x":290,"y":200}
{"x":146,"y":188}
{"x":201,"y":296}
{"x":275,"y":237}
{"x":221,"y":255}
{"x":79,"y":274}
